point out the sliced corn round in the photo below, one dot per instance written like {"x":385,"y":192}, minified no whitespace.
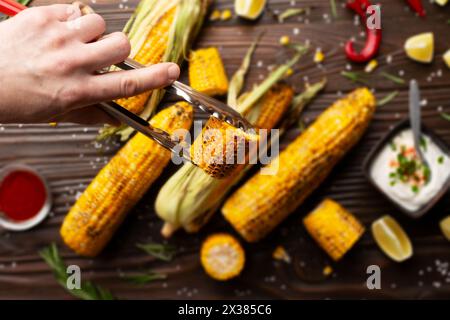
{"x":445,"y":227}
{"x":446,"y":58}
{"x":420,"y":47}
{"x":392,"y":239}
{"x":222,"y":256}
{"x":249,"y":9}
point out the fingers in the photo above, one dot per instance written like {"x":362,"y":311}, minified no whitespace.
{"x":111,"y":49}
{"x":87,"y":28}
{"x":91,"y":115}
{"x":121,"y":84}
{"x":62,"y":12}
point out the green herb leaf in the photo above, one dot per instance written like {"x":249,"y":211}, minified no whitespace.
{"x":290,"y":13}
{"x":415,"y":189}
{"x":423,"y":143}
{"x":393,"y":146}
{"x":355,"y":77}
{"x":388,"y":98}
{"x":144,"y":277}
{"x":440,"y":160}
{"x":446,"y":116}
{"x":393,"y":78}
{"x":88,"y":290}
{"x":333,"y":8}
{"x":163,"y":252}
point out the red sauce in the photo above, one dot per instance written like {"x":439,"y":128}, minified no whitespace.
{"x":22,"y":195}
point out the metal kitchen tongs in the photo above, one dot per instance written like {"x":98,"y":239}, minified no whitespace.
{"x":212,"y":106}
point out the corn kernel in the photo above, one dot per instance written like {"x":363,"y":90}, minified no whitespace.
{"x":371,"y":65}
{"x":289,"y":72}
{"x":215,"y":15}
{"x":53,"y":124}
{"x":226,"y":15}
{"x":319,"y":57}
{"x":284,"y":40}
{"x":281,"y":254}
{"x":327,"y":270}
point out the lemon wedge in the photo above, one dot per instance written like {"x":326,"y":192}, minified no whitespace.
{"x":441,"y":2}
{"x":392,"y":239}
{"x":446,"y":58}
{"x":420,"y":47}
{"x":249,"y":9}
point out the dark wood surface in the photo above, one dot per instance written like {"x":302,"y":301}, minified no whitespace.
{"x":69,"y":158}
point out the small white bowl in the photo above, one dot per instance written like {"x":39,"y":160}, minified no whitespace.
{"x":41,"y":215}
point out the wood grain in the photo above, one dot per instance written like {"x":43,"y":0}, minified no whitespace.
{"x":69,"y":158}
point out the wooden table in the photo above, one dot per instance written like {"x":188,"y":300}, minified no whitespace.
{"x":68,"y":156}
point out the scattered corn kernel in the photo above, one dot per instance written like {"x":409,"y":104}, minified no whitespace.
{"x":334,"y":228}
{"x":285,"y":40}
{"x":53,"y":124}
{"x":222,"y":256}
{"x":445,"y":227}
{"x":226,"y":15}
{"x":289,"y":72}
{"x":446,"y":58}
{"x":327,"y":270}
{"x":371,"y":65}
{"x":215,"y":15}
{"x":281,"y":254}
{"x":392,"y":239}
{"x":319,"y":57}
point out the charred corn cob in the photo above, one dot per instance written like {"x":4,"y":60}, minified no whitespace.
{"x":265,"y":200}
{"x":222,"y":257}
{"x":273,"y":105}
{"x":151,"y":52}
{"x":207,"y":73}
{"x":102,"y":207}
{"x":220,"y":148}
{"x":335,"y":229}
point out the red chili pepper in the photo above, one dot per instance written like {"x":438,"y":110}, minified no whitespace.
{"x":417,"y":6}
{"x":373,"y":36}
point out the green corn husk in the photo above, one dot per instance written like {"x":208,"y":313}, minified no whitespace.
{"x":190,"y":197}
{"x":185,"y":27}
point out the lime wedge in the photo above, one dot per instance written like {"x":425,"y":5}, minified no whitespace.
{"x":420,"y":47}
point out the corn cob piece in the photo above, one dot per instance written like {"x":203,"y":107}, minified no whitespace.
{"x":222,"y":256}
{"x":102,"y":207}
{"x":207,"y":73}
{"x":335,"y":229}
{"x":151,"y":52}
{"x":265,"y":200}
{"x":220,"y":148}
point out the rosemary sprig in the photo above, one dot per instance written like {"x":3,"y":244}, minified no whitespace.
{"x":393,"y":78}
{"x":144,"y":278}
{"x":288,"y":13}
{"x":333,"y":8}
{"x":163,"y":252}
{"x":388,"y":98}
{"x":355,"y":77}
{"x":88,"y":290}
{"x":446,"y":116}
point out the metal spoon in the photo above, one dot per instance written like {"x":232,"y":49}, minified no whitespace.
{"x":415,"y":119}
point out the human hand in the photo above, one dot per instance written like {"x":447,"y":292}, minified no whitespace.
{"x":49,"y":58}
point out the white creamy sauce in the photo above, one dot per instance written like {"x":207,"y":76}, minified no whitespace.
{"x":402,"y":192}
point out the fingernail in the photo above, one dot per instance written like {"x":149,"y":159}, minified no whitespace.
{"x":173,"y":72}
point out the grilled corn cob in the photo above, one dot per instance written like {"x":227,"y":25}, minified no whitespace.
{"x":265,"y":200}
{"x":220,"y":148}
{"x":272,"y":106}
{"x":207,"y":73}
{"x":102,"y":207}
{"x":151,"y":52}
{"x":335,"y":229}
{"x":222,"y":257}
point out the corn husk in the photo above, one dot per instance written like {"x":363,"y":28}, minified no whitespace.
{"x":190,"y":197}
{"x":187,"y":23}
